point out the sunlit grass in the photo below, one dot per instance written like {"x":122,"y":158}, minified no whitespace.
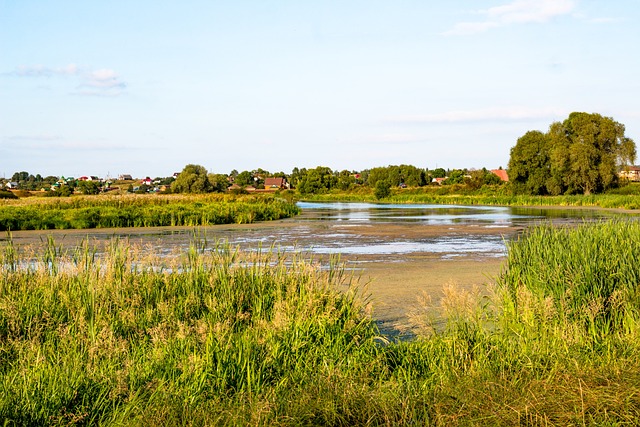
{"x":216,"y":336}
{"x":140,"y":211}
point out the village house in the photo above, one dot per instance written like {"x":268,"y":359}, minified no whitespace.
{"x":501,"y":173}
{"x":632,"y":173}
{"x":276,"y":184}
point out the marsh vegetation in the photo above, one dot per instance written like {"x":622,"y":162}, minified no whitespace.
{"x":215,"y":336}
{"x":141,"y":211}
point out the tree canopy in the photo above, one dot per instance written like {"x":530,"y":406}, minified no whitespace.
{"x":581,"y":155}
{"x":192,"y":179}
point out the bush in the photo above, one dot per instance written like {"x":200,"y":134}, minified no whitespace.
{"x":4,"y":194}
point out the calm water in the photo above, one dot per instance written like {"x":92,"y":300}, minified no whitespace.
{"x":366,"y":231}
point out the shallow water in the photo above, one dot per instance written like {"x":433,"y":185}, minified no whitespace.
{"x":399,"y":251}
{"x":357,"y":230}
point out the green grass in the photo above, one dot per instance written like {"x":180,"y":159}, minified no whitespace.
{"x":215,"y":336}
{"x":143,"y":211}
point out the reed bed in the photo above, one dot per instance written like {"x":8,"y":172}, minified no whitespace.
{"x":215,"y":336}
{"x":141,"y":211}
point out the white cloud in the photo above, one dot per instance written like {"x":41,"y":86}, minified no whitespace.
{"x":41,"y":137}
{"x":488,"y":114}
{"x":516,"y":12}
{"x":100,"y":82}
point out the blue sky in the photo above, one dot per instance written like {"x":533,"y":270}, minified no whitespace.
{"x":146,"y":87}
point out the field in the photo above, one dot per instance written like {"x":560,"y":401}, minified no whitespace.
{"x":215,"y":336}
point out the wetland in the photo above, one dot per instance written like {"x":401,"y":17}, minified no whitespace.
{"x":401,"y":253}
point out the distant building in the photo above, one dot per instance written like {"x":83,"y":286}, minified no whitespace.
{"x":501,"y":173}
{"x":125,"y":177}
{"x":275,"y":184}
{"x":632,"y":173}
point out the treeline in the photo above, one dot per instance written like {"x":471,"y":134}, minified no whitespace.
{"x":196,"y":179}
{"x":322,"y":179}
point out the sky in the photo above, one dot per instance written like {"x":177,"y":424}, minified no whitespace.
{"x":146,"y":87}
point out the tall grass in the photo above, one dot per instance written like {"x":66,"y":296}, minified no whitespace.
{"x":129,"y":338}
{"x":145,"y":211}
{"x":215,"y":336}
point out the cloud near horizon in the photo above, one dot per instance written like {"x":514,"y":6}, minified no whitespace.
{"x":100,"y":82}
{"x":516,"y":12}
{"x":488,"y":114}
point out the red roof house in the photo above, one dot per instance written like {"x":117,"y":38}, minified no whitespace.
{"x":501,"y":173}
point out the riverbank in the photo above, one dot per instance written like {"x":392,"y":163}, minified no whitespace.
{"x":625,"y":198}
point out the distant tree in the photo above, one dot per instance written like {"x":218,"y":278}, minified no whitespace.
{"x":50,"y":180}
{"x":318,"y":180}
{"x":143,"y":189}
{"x":296,"y":176}
{"x":219,"y":182}
{"x":377,"y":174}
{"x":192,"y":179}
{"x":438,"y":173}
{"x":397,"y":175}
{"x":167,"y":180}
{"x":20,"y":176}
{"x":581,"y":155}
{"x":456,"y":176}
{"x":382,"y":189}
{"x":481,"y":177}
{"x":89,"y":187}
{"x":346,"y":180}
{"x":244,"y":178}
{"x":62,"y":191}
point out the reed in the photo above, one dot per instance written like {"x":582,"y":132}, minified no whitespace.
{"x":141,"y":211}
{"x":216,"y":336}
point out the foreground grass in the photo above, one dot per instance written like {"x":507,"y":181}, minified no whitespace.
{"x":140,"y":211}
{"x":219,"y":337}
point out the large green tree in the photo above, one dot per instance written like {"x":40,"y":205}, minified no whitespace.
{"x":192,"y":179}
{"x":529,"y":164}
{"x":581,"y":155}
{"x":318,"y":180}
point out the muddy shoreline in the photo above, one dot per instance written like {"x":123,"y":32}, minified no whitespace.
{"x":392,"y":283}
